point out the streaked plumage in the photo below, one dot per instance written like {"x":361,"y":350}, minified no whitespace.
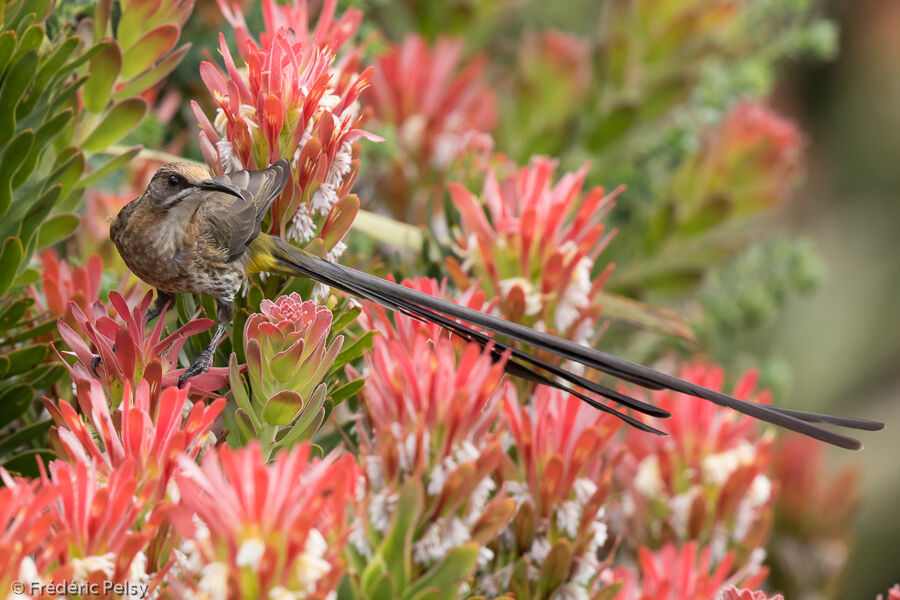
{"x":191,"y":233}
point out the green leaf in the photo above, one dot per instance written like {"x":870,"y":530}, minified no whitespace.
{"x":102,"y":75}
{"x":56,"y":228}
{"x":123,"y":117}
{"x":32,"y":332}
{"x":39,"y":212}
{"x":7,"y":45}
{"x":344,"y":319}
{"x":282,"y":408}
{"x":396,"y":548}
{"x":25,"y":463}
{"x":134,"y":22}
{"x":110,"y":166}
{"x":347,"y":390}
{"x":25,"y":359}
{"x":387,"y":230}
{"x":446,"y":576}
{"x":101,"y":19}
{"x":4,"y":366}
{"x":353,"y":352}
{"x":10,"y":258}
{"x":14,"y":311}
{"x":55,"y":64}
{"x":556,"y":567}
{"x":68,"y":170}
{"x":14,"y":155}
{"x":382,"y":589}
{"x":14,"y":84}
{"x":14,"y":402}
{"x":30,"y":40}
{"x":43,"y":376}
{"x":149,"y":78}
{"x":149,"y":49}
{"x":27,"y":277}
{"x":245,"y":430}
{"x":24,"y":435}
{"x":47,"y":131}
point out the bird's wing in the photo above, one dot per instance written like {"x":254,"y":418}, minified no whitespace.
{"x":235,"y":222}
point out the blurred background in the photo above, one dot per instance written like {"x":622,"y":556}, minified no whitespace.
{"x":843,"y":340}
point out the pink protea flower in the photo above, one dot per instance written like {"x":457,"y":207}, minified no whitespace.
{"x":258,"y":530}
{"x":681,"y":573}
{"x":137,"y":355}
{"x":749,"y":162}
{"x":536,"y":254}
{"x":893,"y":593}
{"x":290,"y":101}
{"x":288,"y":355}
{"x":25,"y":526}
{"x":431,"y":405}
{"x":150,"y":435}
{"x":734,"y":593}
{"x":63,"y":284}
{"x":102,"y":525}
{"x":560,"y":478}
{"x":433,"y":100}
{"x":812,"y":539}
{"x":708,"y":481}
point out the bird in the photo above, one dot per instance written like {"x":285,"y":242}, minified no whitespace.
{"x":190,"y":232}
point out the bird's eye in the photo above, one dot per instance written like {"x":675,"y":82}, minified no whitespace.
{"x":174,"y":180}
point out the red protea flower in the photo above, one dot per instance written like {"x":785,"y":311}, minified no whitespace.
{"x":893,"y":593}
{"x":150,"y":434}
{"x":734,"y":593}
{"x":560,"y":480}
{"x":431,"y":99}
{"x":813,"y":537}
{"x":63,"y":284}
{"x":431,"y":406}
{"x":260,"y":530}
{"x":707,"y":481}
{"x":537,"y":252}
{"x":289,"y":101}
{"x":101,"y":525}
{"x":26,"y":524}
{"x":681,"y":573}
{"x":137,"y":355}
{"x":749,"y":162}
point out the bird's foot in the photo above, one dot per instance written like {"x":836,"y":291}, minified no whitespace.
{"x":200,"y":366}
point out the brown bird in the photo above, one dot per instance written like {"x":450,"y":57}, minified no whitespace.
{"x":189,"y":232}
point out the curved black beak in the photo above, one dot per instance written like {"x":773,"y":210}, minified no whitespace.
{"x":219,"y":186}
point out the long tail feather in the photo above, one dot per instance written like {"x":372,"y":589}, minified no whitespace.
{"x":443,"y":312}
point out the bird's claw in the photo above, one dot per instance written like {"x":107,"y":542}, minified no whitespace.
{"x":200,"y":366}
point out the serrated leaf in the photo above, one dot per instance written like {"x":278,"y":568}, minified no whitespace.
{"x":14,"y":402}
{"x":110,"y":166}
{"x":148,"y":79}
{"x":347,"y":390}
{"x":9,"y":262}
{"x":26,"y":434}
{"x":150,"y":48}
{"x":26,"y":463}
{"x":104,"y":70}
{"x":56,"y":228}
{"x":122,"y":118}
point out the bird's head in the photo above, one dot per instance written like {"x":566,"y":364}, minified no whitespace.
{"x":177,"y":182}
